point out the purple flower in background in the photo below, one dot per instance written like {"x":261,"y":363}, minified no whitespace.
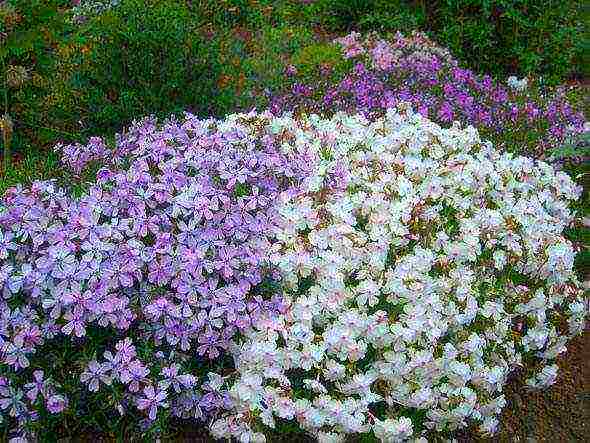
{"x":413,"y":69}
{"x":11,"y":400}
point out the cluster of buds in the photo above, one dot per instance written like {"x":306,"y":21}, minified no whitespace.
{"x":16,"y":76}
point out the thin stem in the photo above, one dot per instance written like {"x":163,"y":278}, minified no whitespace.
{"x":6,"y":136}
{"x":4,"y":73}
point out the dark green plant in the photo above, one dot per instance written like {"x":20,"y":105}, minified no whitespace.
{"x":143,"y":57}
{"x":512,"y":36}
{"x":500,"y":37}
{"x":93,"y":77}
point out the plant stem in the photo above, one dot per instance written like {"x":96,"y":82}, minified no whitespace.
{"x":6,"y":126}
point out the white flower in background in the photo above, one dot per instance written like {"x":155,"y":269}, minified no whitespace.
{"x":515,"y":83}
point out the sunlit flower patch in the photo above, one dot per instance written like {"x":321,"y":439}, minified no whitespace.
{"x":348,"y":275}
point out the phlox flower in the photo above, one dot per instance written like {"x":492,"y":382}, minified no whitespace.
{"x":151,"y":400}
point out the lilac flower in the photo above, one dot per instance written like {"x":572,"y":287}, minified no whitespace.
{"x":208,"y":344}
{"x":11,"y":400}
{"x":14,"y":353}
{"x":56,"y":403}
{"x":38,"y":386}
{"x":94,"y":374}
{"x":125,"y":350}
{"x":152,"y":400}
{"x":75,"y":324}
{"x":176,"y":380}
{"x":133,"y":374}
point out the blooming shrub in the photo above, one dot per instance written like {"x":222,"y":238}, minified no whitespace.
{"x":421,"y":267}
{"x":168,"y":248}
{"x":414,"y":69}
{"x":366,"y":277}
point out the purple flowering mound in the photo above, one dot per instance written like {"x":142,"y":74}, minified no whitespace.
{"x":161,"y":259}
{"x":413,"y":69}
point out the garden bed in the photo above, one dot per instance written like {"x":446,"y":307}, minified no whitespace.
{"x":353,"y":233}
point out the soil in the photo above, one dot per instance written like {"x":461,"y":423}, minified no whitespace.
{"x":558,"y":414}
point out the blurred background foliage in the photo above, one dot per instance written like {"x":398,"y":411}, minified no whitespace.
{"x":67,"y":78}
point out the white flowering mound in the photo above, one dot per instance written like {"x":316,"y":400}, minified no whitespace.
{"x":421,"y":267}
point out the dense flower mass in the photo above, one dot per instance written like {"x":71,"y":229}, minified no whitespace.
{"x":366,"y":276}
{"x":421,"y":266}
{"x":414,"y":69}
{"x":169,"y":247}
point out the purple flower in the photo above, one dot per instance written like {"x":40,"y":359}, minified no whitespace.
{"x":11,"y":400}
{"x":176,"y":380}
{"x":15,"y":353}
{"x":56,"y":403}
{"x":152,"y":400}
{"x":94,"y":374}
{"x":38,"y":386}
{"x":208,"y":344}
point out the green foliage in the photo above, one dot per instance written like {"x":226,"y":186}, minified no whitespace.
{"x":253,"y":61}
{"x":370,"y":15}
{"x":500,"y":37}
{"x":143,"y":57}
{"x":33,"y":166}
{"x":512,"y":36}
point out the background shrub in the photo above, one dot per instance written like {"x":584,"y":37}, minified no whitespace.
{"x":517,"y":36}
{"x":499,"y":37}
{"x":143,"y":57}
{"x":93,"y":75}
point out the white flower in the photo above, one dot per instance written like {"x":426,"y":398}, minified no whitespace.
{"x":515,"y":83}
{"x":391,"y":431}
{"x":405,"y":287}
{"x":546,"y":377}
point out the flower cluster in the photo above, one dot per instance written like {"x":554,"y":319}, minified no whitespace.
{"x":18,"y":401}
{"x":83,"y":9}
{"x":169,"y":246}
{"x":421,"y":267}
{"x":167,"y":389}
{"x":77,"y":157}
{"x":378,"y":277}
{"x":413,"y":69}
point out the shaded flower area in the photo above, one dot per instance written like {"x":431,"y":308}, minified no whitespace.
{"x":345,"y":276}
{"x":515,"y":115}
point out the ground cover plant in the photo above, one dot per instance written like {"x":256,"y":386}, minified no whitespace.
{"x":374,"y":254}
{"x":313,"y":252}
{"x":514,"y":114}
{"x":419,"y":272}
{"x":130,"y":255}
{"x":75,"y":70}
